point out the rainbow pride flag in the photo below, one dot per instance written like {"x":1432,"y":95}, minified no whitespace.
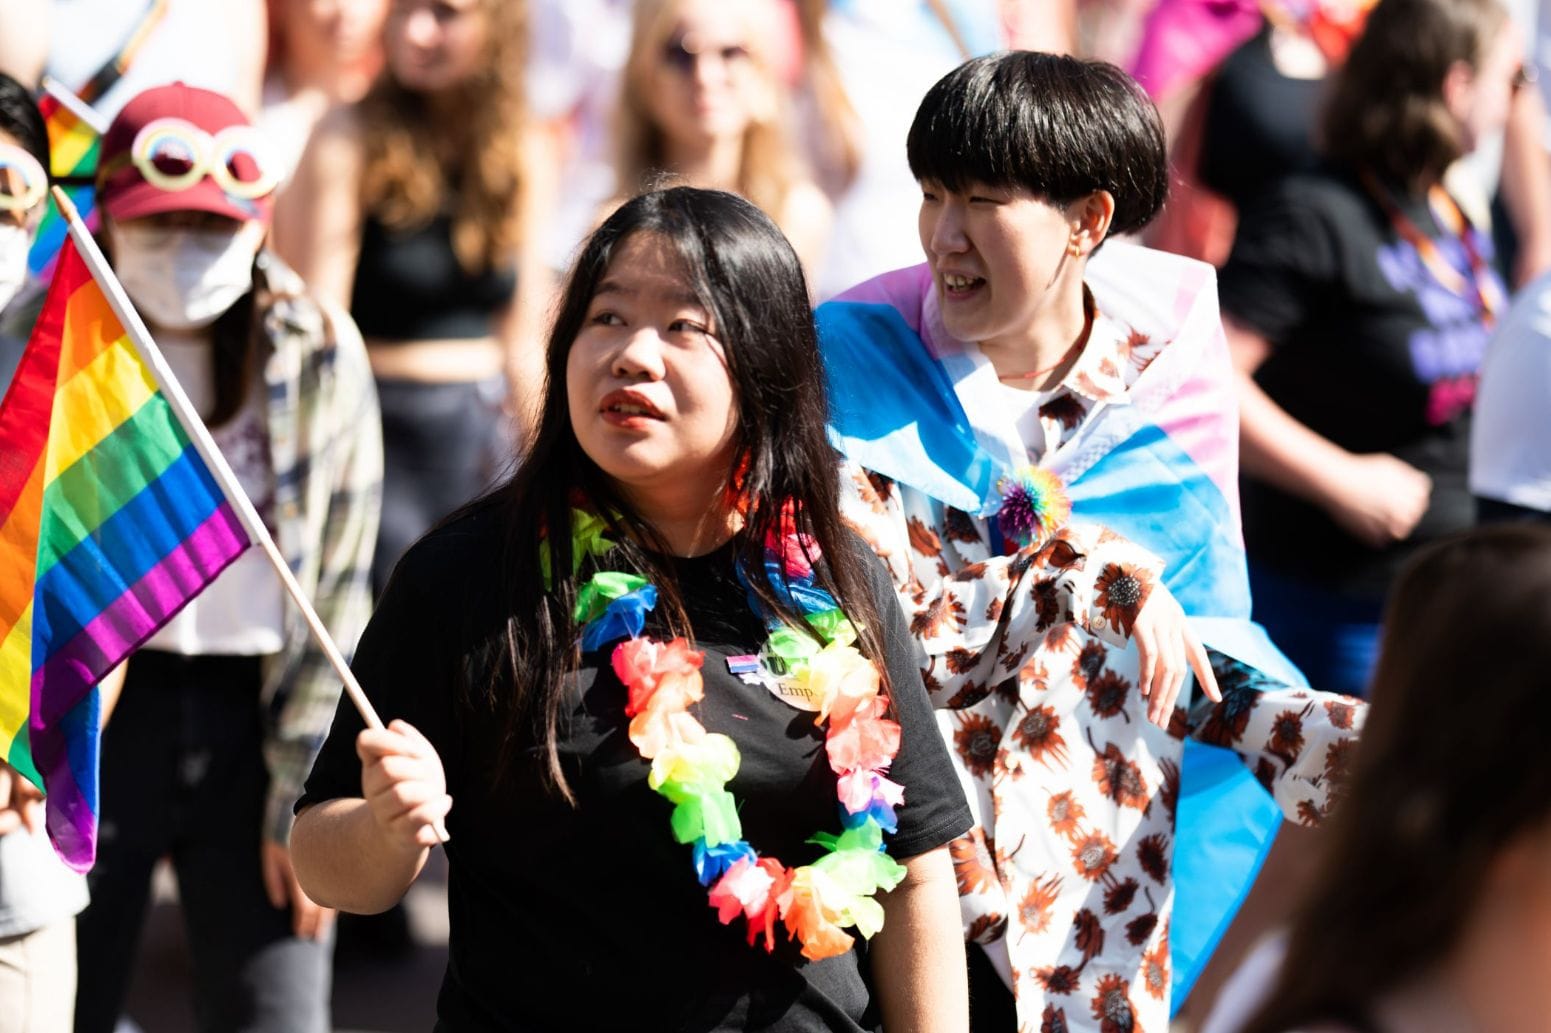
{"x":73,"y":148}
{"x":109,"y":523}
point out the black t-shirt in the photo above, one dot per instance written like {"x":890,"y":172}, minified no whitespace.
{"x":1259,"y":123}
{"x":1370,"y":351}
{"x":592,"y":918}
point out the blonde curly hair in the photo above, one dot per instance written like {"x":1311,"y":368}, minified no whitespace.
{"x":416,"y":160}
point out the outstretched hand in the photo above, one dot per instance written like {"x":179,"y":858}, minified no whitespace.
{"x":1168,"y":649}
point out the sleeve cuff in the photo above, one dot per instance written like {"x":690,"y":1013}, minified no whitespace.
{"x":277,"y":814}
{"x":1115,"y":583}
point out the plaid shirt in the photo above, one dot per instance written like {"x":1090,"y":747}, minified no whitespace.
{"x":325,"y":440}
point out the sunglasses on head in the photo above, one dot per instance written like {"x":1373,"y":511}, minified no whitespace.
{"x":173,"y":154}
{"x":677,"y":54}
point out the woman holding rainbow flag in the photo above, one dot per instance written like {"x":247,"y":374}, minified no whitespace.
{"x":673,"y":701}
{"x":965,"y":391}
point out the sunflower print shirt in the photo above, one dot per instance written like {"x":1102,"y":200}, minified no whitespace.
{"x":1066,"y":878}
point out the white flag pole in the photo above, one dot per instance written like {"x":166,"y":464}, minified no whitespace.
{"x":251,"y":522}
{"x":78,"y":107}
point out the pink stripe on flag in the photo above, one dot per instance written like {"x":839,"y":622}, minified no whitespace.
{"x":903,"y":290}
{"x":134,"y":616}
{"x":1193,"y":278}
{"x":69,"y":677}
{"x":1192,"y":418}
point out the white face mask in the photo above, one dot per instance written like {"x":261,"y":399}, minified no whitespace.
{"x":14,"y":244}
{"x":184,"y":279}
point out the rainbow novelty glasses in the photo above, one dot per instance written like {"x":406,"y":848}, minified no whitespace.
{"x":173,"y":154}
{"x":23,"y":186}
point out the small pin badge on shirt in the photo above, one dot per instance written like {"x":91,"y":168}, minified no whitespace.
{"x":751,"y":670}
{"x":746,"y":664}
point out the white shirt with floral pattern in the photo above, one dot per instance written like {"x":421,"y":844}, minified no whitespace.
{"x":1067,"y":878}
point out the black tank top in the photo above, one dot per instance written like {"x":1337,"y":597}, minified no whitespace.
{"x":410,"y":287}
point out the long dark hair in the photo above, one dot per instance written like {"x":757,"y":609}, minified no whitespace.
{"x":235,"y":337}
{"x":1385,"y":109}
{"x":1443,"y":779}
{"x":745,"y":273}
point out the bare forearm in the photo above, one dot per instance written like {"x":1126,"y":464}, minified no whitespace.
{"x":318,"y":217}
{"x":1279,"y":450}
{"x":526,"y":327}
{"x":918,"y":957}
{"x":525,"y":335}
{"x":110,"y":688}
{"x":342,"y":860}
{"x":1526,"y":183}
{"x":1375,"y":497}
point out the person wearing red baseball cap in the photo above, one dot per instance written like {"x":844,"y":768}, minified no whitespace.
{"x":186,"y":184}
{"x":222,"y":710}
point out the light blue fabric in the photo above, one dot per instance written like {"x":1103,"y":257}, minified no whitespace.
{"x":894,"y":411}
{"x":976,"y":21}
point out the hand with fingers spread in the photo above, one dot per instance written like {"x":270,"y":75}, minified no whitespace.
{"x":404,"y":785}
{"x":1168,"y":649}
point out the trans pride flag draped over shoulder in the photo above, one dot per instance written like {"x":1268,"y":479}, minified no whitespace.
{"x":1159,"y":467}
{"x":109,"y":523}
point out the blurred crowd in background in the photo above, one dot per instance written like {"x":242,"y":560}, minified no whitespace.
{"x":436,"y":163}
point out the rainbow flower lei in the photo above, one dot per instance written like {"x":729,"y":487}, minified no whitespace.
{"x":691,"y":767}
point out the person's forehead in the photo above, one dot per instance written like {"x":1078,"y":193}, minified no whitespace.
{"x":647,"y":286}
{"x":712,"y":22}
{"x":975,"y":186}
{"x":646,"y":266}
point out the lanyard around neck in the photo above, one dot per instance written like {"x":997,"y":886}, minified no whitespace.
{"x":1481,"y":286}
